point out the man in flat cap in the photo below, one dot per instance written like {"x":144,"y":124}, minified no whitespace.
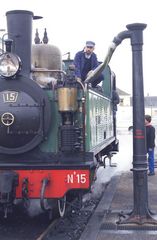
{"x":85,"y":61}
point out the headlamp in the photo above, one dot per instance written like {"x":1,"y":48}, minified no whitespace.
{"x":10,"y":64}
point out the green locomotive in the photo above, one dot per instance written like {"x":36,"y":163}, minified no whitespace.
{"x":56,"y":130}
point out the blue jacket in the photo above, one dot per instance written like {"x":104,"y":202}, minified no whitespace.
{"x":79,"y":62}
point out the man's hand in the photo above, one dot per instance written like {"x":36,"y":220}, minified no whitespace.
{"x":89,"y":73}
{"x":78,"y":79}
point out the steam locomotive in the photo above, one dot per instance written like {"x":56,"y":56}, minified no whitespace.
{"x":55,"y":131}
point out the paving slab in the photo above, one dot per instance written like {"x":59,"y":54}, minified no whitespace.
{"x":117,"y":204}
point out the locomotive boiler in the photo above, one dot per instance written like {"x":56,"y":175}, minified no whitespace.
{"x":54,"y":130}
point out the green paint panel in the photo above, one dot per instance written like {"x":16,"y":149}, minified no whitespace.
{"x":99,"y":119}
{"x":106,"y":84}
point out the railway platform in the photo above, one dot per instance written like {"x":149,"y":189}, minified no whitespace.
{"x":117,"y":203}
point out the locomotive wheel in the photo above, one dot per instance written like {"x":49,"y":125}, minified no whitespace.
{"x":62,"y":206}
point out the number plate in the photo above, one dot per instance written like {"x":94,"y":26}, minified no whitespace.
{"x":10,"y":96}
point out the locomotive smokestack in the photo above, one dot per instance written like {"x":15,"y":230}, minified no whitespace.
{"x":19,"y":23}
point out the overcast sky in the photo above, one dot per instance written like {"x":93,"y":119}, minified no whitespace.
{"x":71,"y":22}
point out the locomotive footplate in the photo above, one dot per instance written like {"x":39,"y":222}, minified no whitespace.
{"x":37,"y":157}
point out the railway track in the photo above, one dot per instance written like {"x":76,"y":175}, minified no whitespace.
{"x":72,"y":225}
{"x":22,"y":227}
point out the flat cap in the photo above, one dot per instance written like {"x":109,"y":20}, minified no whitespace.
{"x":90,"y":44}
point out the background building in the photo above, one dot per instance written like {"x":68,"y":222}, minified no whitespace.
{"x":124,"y":98}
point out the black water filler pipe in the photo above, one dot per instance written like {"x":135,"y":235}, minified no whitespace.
{"x":140,"y":213}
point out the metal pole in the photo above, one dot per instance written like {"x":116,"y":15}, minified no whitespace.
{"x":140,"y":213}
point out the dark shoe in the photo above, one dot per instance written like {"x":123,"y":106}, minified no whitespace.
{"x":151,"y":174}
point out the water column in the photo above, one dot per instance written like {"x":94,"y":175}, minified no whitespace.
{"x":140,"y":213}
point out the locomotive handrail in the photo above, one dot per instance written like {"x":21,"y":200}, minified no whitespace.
{"x":83,"y":87}
{"x":83,"y":111}
{"x":48,"y":70}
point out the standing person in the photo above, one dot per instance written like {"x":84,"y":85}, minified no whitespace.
{"x":85,"y":61}
{"x":115,"y":101}
{"x":150,"y":143}
{"x":115,"y":95}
